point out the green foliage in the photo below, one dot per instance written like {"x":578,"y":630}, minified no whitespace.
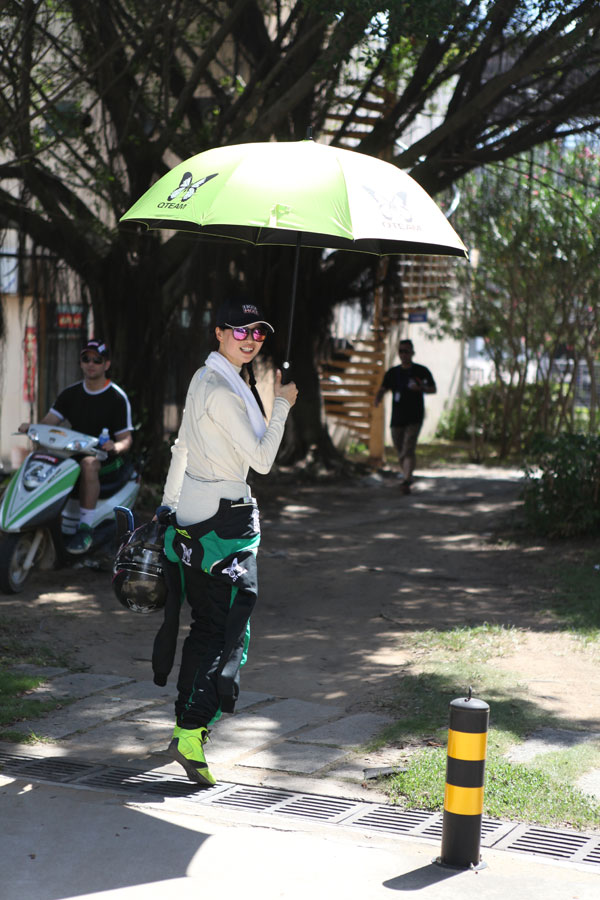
{"x":15,"y":708}
{"x":577,"y":597}
{"x":512,"y":791}
{"x":504,"y":415}
{"x":535,"y":225}
{"x":102,"y":98}
{"x":562,"y":488}
{"x":455,"y":423}
{"x":540,"y":792}
{"x":17,"y":647}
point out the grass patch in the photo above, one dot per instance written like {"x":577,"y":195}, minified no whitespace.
{"x":24,"y":737}
{"x":448,"y":663}
{"x":568,"y":765}
{"x":14,"y":703}
{"x":512,"y":791}
{"x":442,"y":453}
{"x":478,"y":640}
{"x":435,"y":454}
{"x":577,"y":597}
{"x":17,"y":647}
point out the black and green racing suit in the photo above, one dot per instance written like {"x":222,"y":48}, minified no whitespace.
{"x":212,"y":564}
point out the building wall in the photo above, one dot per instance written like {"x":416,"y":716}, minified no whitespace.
{"x":444,"y":358}
{"x":15,"y":405}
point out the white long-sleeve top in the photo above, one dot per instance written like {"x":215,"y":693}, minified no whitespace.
{"x":215,"y":447}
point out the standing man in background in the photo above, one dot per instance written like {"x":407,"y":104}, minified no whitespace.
{"x":408,"y":382}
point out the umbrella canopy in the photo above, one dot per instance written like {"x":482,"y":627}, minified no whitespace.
{"x":298,"y":192}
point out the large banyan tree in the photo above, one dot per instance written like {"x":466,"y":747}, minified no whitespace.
{"x":98,"y":98}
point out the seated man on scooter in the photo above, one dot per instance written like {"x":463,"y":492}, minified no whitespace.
{"x":90,"y":406}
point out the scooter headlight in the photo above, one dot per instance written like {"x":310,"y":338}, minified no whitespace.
{"x":33,"y":434}
{"x":77,"y":446}
{"x":35,"y":474}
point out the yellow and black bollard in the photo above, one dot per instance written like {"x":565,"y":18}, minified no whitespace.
{"x":465,"y":769}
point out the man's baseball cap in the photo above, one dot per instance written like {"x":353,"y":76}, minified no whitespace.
{"x":240,"y":312}
{"x":96,"y":346}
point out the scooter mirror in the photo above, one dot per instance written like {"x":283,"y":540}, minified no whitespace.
{"x":124,"y":520}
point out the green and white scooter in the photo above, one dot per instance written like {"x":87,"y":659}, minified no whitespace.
{"x":39,"y":509}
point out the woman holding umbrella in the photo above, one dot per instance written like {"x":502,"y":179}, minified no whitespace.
{"x":214,"y":532}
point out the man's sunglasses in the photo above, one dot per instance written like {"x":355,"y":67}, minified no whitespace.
{"x":257,"y":334}
{"x":97,"y":360}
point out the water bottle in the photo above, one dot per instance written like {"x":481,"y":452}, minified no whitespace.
{"x":104,"y":437}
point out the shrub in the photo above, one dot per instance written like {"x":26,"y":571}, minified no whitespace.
{"x":562,"y":485}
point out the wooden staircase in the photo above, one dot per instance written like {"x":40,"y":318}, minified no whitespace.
{"x":353,"y":371}
{"x":350,"y":378}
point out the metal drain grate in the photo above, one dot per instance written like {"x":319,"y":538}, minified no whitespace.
{"x":58,"y":769}
{"x":258,"y":799}
{"x":593,"y":856}
{"x":323,"y":809}
{"x":121,"y":779}
{"x":129,"y":781}
{"x":11,"y":761}
{"x":392,"y":820}
{"x":558,"y":844}
{"x":336,"y":811}
{"x":490,"y":829}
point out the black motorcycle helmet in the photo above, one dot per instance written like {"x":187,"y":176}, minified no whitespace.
{"x":138,"y":578}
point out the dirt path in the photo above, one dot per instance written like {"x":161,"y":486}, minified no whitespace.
{"x":346,"y":570}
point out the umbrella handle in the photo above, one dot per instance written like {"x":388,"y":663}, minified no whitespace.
{"x":286,"y":372}
{"x":285,"y":369}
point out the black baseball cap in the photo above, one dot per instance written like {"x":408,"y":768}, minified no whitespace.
{"x":240,"y":312}
{"x":96,"y":346}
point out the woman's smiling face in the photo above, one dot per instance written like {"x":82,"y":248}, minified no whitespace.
{"x":237,"y":352}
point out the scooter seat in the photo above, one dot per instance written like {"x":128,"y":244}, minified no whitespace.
{"x":115,"y":480}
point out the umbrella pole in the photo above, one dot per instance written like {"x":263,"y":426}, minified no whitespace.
{"x":286,"y":365}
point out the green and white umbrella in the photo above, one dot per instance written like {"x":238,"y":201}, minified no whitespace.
{"x":299,"y":193}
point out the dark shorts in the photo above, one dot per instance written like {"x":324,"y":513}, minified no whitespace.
{"x":405,"y":439}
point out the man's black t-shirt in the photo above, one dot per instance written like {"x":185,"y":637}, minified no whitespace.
{"x":408,"y":407}
{"x":90,"y":412}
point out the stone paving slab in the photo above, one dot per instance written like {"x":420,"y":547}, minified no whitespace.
{"x":590,"y":783}
{"x":77,"y":716}
{"x":237,"y":736}
{"x":251,"y":698}
{"x":38,"y":671}
{"x":121,"y":741}
{"x":163,"y":713}
{"x":549,"y":740}
{"x":292,"y":714}
{"x":160,"y":716}
{"x":351,"y":731}
{"x":77,"y":685}
{"x":291,"y":757}
{"x":141,"y":690}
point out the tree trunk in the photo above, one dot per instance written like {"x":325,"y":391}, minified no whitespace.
{"x":271,"y":272}
{"x":129,"y":312}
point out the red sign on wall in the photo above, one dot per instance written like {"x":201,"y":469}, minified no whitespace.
{"x":69,"y":320}
{"x":29,"y":364}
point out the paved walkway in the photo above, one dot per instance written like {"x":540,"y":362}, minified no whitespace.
{"x":120,"y":721}
{"x":77,"y":835}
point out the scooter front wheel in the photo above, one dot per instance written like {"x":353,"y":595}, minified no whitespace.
{"x":16,"y":564}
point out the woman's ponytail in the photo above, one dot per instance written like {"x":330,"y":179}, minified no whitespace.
{"x":252,"y":385}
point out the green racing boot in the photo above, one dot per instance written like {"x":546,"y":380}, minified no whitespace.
{"x":186,"y":748}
